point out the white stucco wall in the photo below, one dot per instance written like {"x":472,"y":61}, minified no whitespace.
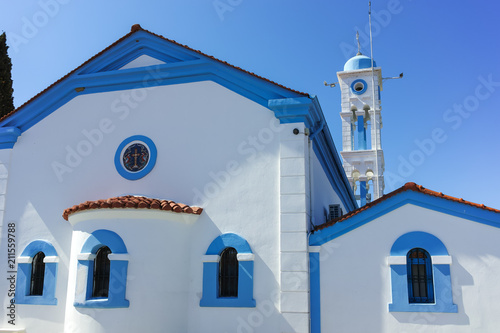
{"x":323,"y":192}
{"x":356,"y":279}
{"x":216,"y":149}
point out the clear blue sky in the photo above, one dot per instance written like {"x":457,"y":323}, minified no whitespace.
{"x":447,"y":51}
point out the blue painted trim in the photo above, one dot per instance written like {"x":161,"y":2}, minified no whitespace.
{"x":39,"y":245}
{"x":182,"y":66}
{"x":228,"y":240}
{"x":24,"y":276}
{"x":365,"y":86}
{"x":453,"y":208}
{"x":101,"y":238}
{"x":314,"y":271}
{"x":118,"y":273}
{"x":8,"y":137}
{"x":210,"y":296}
{"x":361,"y":134}
{"x":442,"y":291}
{"x":418,"y":239}
{"x":147,"y":169}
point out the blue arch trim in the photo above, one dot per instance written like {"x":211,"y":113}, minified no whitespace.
{"x":104,"y":237}
{"x":118,"y":273}
{"x":24,"y":276}
{"x":418,"y":239}
{"x":151,"y":163}
{"x":37,"y":246}
{"x":210,"y":296}
{"x":228,"y":240}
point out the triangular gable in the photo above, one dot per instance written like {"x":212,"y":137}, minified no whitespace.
{"x":410,"y":193}
{"x":143,"y":61}
{"x":177,"y":63}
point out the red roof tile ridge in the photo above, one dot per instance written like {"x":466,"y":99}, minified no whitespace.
{"x":408,"y":186}
{"x":135,"y":202}
{"x":134,"y":29}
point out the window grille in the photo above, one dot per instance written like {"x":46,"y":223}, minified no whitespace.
{"x":100,"y":286}
{"x":37,"y":274}
{"x":420,"y":282}
{"x":228,"y":273}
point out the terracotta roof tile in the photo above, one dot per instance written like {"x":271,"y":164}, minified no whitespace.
{"x":135,"y":28}
{"x":130,"y":201}
{"x":406,"y":187}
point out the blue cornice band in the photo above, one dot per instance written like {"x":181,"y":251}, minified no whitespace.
{"x":8,"y":137}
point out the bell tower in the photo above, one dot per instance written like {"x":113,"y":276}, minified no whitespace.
{"x":360,"y":85}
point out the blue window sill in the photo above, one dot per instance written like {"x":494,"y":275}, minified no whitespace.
{"x":37,"y":300}
{"x":445,"y":308}
{"x":233,"y":302}
{"x":102,"y":303}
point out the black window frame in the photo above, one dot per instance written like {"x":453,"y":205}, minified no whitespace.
{"x":420,"y":279}
{"x":37,"y":274}
{"x":102,"y":269}
{"x":228,"y":273}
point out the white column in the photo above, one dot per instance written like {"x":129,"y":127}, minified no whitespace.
{"x":294,"y":217}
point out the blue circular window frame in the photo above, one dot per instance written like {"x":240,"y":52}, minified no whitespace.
{"x":361,"y":91}
{"x":147,"y":169}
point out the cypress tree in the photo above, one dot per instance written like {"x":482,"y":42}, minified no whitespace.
{"x":6,"y":99}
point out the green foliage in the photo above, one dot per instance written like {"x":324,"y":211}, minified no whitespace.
{"x":6,"y":99}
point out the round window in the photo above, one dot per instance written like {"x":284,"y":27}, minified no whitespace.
{"x":135,"y":157}
{"x":358,"y":86}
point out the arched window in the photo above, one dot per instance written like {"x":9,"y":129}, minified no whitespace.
{"x":420,"y":279}
{"x":37,"y":274}
{"x":101,"y":273}
{"x":228,"y":273}
{"x":420,"y":283}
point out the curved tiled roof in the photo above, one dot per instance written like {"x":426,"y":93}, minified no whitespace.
{"x":131,"y":201}
{"x":135,"y":28}
{"x":406,"y":187}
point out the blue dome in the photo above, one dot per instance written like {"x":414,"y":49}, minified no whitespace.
{"x":359,"y":62}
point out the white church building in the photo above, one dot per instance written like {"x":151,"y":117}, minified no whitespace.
{"x":157,"y":189}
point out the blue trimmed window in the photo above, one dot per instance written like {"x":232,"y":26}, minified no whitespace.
{"x":228,"y":273}
{"x":102,"y":272}
{"x":420,"y":274}
{"x":36,"y":274}
{"x":420,"y":283}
